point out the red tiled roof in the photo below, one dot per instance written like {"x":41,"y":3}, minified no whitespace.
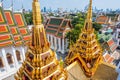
{"x":18,"y":43}
{"x":102,"y":19}
{"x":10,"y":26}
{"x":22,"y":27}
{"x":14,"y":30}
{"x":2,"y":17}
{"x":13,"y":27}
{"x":9,"y":18}
{"x":17,"y":38}
{"x":27,"y":38}
{"x":6,"y":43}
{"x":112,"y":45}
{"x":110,"y":42}
{"x":6,"y":38}
{"x":110,"y":60}
{"x":107,"y":56}
{"x":4,"y":29}
{"x":24,"y":31}
{"x":19,"y":19}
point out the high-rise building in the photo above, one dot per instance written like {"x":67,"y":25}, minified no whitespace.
{"x":40,"y":62}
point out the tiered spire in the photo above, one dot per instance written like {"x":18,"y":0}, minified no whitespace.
{"x":86,"y":50}
{"x":88,"y":21}
{"x":39,"y":36}
{"x":40,"y":62}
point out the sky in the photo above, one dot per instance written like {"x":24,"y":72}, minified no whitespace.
{"x":65,"y":4}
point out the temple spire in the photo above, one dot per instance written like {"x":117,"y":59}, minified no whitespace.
{"x":88,"y":49}
{"x":89,"y":14}
{"x":88,"y":21}
{"x":36,"y":13}
{"x":40,"y":62}
{"x":39,"y":35}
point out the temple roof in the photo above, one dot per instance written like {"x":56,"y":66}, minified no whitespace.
{"x":86,"y":49}
{"x":10,"y":18}
{"x":13,"y":27}
{"x":22,"y":26}
{"x":103,"y":72}
{"x":109,"y":58}
{"x":10,"y":33}
{"x":6,"y":38}
{"x":103,"y":19}
{"x":112,"y":45}
{"x":58,"y":26}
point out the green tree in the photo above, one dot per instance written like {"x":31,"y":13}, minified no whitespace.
{"x":28,"y":18}
{"x":78,"y":23}
{"x":97,"y":26}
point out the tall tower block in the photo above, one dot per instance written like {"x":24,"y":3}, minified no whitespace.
{"x":40,"y":62}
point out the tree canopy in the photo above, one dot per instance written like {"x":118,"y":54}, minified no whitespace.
{"x":78,"y":23}
{"x":28,"y":18}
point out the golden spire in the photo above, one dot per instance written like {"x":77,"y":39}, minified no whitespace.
{"x":88,"y":21}
{"x":40,"y":59}
{"x":87,"y":47}
{"x":36,"y":13}
{"x":89,"y":14}
{"x":39,"y":36}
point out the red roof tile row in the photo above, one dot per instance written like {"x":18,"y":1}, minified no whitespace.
{"x":13,"y":30}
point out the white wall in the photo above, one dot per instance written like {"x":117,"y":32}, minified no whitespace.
{"x":11,"y":69}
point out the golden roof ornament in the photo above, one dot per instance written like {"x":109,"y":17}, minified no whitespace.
{"x":86,"y":50}
{"x":40,"y":62}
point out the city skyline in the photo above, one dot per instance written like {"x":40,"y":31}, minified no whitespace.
{"x":54,"y":4}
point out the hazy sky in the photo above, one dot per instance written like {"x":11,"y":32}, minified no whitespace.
{"x":65,"y":4}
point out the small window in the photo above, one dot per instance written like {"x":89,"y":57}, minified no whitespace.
{"x":18,"y":55}
{"x":1,"y":63}
{"x":9,"y":58}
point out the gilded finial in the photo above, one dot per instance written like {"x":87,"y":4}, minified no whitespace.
{"x":88,"y":21}
{"x":36,"y":13}
{"x":89,"y":14}
{"x":38,"y":37}
{"x":35,"y":0}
